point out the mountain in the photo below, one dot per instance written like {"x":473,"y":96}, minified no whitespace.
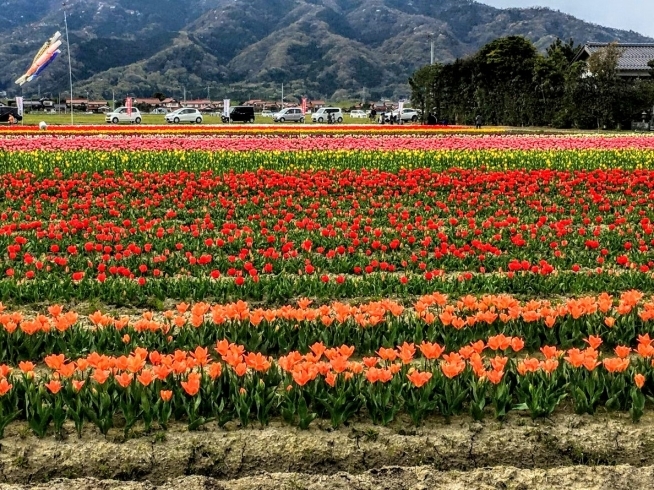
{"x":247,"y":48}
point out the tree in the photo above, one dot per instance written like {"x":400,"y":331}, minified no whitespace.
{"x":505,"y":70}
{"x":602,"y":72}
{"x":425,"y":87}
{"x":159,"y":95}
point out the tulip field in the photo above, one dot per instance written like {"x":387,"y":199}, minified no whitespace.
{"x":311,"y":283}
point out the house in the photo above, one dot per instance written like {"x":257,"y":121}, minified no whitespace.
{"x":85,"y":104}
{"x":198,"y":104}
{"x":258,"y":104}
{"x":147,"y":104}
{"x":316,"y":104}
{"x":170,"y":104}
{"x":632,"y":63}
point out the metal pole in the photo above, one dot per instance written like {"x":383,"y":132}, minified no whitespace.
{"x":282,"y":96}
{"x":113,"y":100}
{"x":70,"y":68}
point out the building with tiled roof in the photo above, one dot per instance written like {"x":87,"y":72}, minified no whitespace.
{"x":633,"y":62}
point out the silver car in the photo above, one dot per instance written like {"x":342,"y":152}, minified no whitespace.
{"x":184,"y":115}
{"x":291,"y":114}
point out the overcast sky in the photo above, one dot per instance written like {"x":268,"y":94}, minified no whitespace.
{"x":637,"y":15}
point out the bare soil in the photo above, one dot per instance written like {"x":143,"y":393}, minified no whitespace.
{"x":391,"y":478}
{"x":567,"y":451}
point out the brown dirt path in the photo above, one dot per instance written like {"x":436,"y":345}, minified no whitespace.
{"x":362,"y":449}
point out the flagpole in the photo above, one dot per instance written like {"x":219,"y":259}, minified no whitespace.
{"x":70,"y":68}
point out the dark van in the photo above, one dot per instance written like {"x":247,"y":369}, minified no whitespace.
{"x":240,"y":114}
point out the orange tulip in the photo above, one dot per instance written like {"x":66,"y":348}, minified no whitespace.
{"x":517,"y":344}
{"x":66,"y":370}
{"x":54,"y":386}
{"x":330,"y":379}
{"x":222,"y":347}
{"x":161,"y":372}
{"x":645,"y":350}
{"x":499,"y":363}
{"x":4,"y":370}
{"x":146,"y":377}
{"x":639,"y":379}
{"x":124,"y":379}
{"x":192,"y":385}
{"x":201,"y":356}
{"x":5,"y":386}
{"x":302,"y":376}
{"x":240,"y":369}
{"x":594,"y":341}
{"x":346,"y":351}
{"x":609,"y":321}
{"x":549,"y":365}
{"x":77,"y":384}
{"x":549,"y":351}
{"x":452,"y":370}
{"x":258,"y":362}
{"x":529,"y":365}
{"x":575,"y":358}
{"x":616,"y":364}
{"x":466,"y":351}
{"x":494,"y":376}
{"x":478,"y":346}
{"x":26,"y":366}
{"x":54,"y":362}
{"x":370,"y":361}
{"x":166,"y":395}
{"x":318,"y":349}
{"x":406,"y":352}
{"x":622,"y":351}
{"x":431,"y":351}
{"x":100,"y":375}
{"x":387,"y":354}
{"x":419,"y":379}
{"x":215,"y":370}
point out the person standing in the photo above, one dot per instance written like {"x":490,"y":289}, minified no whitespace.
{"x":478,"y":122}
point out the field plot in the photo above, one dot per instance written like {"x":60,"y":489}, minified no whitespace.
{"x":325,"y":309}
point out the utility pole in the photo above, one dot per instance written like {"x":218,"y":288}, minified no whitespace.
{"x":184,"y":96}
{"x":431,"y":42}
{"x":282,"y":96}
{"x":70,"y":67}
{"x":208,"y":93}
{"x":113,"y":100}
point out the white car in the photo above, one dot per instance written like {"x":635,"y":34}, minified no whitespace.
{"x":357,"y":114}
{"x":184,"y":115}
{"x":120,"y":116}
{"x":322,"y":115}
{"x":266,"y":114}
{"x":408,"y":115}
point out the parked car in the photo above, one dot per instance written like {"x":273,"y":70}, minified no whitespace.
{"x":408,"y":115}
{"x":241,"y":113}
{"x":358,"y":114}
{"x":120,"y":116}
{"x":159,"y":110}
{"x":322,"y":114}
{"x":291,"y":114}
{"x":184,"y":115}
{"x":266,"y":114}
{"x":6,"y":111}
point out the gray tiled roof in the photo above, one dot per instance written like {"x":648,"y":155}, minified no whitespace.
{"x":634,"y":56}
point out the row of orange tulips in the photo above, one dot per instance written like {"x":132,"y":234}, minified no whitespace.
{"x":228,"y":383}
